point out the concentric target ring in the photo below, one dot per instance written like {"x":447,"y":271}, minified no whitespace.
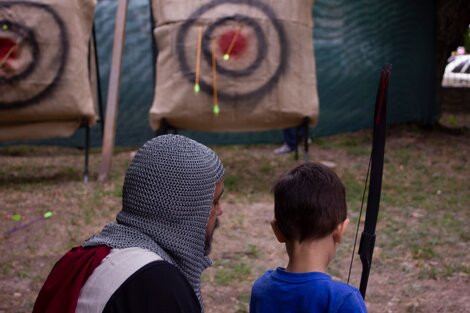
{"x":8,"y":84}
{"x":223,"y":95}
{"x":28,"y":35}
{"x":261,"y":46}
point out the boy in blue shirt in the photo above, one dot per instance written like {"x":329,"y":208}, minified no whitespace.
{"x":310,"y":218}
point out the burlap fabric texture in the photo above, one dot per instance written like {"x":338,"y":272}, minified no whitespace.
{"x":45,"y":88}
{"x":269,"y":82}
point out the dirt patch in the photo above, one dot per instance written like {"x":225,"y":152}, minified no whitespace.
{"x":421,"y":258}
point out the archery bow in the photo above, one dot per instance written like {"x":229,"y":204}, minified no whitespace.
{"x":375,"y":168}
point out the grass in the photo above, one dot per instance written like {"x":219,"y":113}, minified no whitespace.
{"x":253,"y":251}
{"x":228,"y":272}
{"x":423,"y":232}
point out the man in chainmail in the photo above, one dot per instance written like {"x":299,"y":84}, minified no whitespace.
{"x":152,"y":258}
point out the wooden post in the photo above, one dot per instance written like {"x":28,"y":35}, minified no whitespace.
{"x":113,"y":92}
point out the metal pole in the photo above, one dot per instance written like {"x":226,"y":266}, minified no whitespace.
{"x":87,"y":153}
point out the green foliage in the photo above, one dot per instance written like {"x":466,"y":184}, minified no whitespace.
{"x":266,"y":167}
{"x":446,"y":271}
{"x":466,"y":40}
{"x":18,"y":150}
{"x":253,"y":251}
{"x":452,"y":120}
{"x":23,"y":275}
{"x":424,"y":253}
{"x":243,"y":303}
{"x":355,"y":146}
{"x":231,"y":183}
{"x":225,"y":275}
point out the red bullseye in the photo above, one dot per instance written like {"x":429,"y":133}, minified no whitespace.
{"x":7,"y":49}
{"x":233,"y":42}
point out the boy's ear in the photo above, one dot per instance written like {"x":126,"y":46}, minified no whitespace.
{"x":340,"y":230}
{"x":277,"y":232}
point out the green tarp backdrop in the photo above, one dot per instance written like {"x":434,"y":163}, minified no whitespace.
{"x":352,"y":40}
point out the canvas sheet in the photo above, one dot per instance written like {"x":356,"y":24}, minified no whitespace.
{"x":44,"y":73}
{"x":267,"y":81}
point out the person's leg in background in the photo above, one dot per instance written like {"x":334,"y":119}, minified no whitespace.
{"x":290,"y":140}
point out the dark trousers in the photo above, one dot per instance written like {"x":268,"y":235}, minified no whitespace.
{"x":290,"y":136}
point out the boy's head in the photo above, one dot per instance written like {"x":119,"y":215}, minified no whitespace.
{"x":309,"y":202}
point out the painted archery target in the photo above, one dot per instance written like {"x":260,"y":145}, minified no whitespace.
{"x":234,"y":64}
{"x":44,"y":75}
{"x":20,"y":58}
{"x":18,"y":50}
{"x":241,"y":48}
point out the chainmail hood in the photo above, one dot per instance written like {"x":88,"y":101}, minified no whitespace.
{"x":167,"y":196}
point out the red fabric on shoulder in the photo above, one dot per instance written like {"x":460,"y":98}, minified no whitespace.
{"x":61,"y":289}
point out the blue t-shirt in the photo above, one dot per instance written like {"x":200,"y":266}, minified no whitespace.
{"x":314,"y":292}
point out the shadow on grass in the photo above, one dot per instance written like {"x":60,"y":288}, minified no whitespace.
{"x":57,"y":177}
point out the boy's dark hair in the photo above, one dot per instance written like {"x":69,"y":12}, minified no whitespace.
{"x":309,"y":202}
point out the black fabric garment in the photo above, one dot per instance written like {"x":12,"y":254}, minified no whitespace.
{"x":156,"y":287}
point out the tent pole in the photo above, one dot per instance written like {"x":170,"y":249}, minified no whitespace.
{"x":113,"y":92}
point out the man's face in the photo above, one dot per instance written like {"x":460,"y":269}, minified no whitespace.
{"x":213,"y":221}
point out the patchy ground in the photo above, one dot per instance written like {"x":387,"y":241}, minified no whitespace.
{"x":420,"y":264}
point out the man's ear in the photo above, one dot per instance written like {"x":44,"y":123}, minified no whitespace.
{"x":340,"y":230}
{"x":277,"y":232}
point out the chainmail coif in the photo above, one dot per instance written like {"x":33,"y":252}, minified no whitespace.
{"x":167,"y":196}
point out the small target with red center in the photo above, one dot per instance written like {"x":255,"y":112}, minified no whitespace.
{"x":32,"y":59}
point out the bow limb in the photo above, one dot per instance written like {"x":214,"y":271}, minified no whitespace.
{"x":367,"y":243}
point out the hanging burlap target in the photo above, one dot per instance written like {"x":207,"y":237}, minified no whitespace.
{"x":44,"y":78}
{"x":234,"y":65}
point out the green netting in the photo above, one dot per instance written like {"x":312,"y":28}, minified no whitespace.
{"x":352,"y":40}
